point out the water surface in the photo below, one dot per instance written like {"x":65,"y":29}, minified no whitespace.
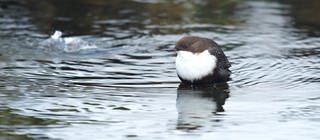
{"x":126,"y":87}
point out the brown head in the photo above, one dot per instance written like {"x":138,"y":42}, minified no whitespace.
{"x":194,"y":44}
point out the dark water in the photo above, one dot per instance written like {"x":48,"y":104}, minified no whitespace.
{"x":125,"y":87}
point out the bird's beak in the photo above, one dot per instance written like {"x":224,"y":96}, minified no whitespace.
{"x":179,"y":48}
{"x":176,"y":48}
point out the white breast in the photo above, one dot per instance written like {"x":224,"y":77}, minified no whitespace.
{"x":192,"y":66}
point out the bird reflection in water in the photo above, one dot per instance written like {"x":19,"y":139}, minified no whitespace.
{"x":199,"y":106}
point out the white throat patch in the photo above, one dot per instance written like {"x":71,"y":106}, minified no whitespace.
{"x":194,"y":66}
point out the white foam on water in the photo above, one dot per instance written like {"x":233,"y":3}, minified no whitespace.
{"x":66,"y":44}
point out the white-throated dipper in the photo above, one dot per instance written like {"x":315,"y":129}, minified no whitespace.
{"x":201,"y":61}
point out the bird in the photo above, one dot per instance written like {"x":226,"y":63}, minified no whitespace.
{"x":200,"y":60}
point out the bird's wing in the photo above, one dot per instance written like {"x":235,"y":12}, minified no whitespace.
{"x":222,"y":59}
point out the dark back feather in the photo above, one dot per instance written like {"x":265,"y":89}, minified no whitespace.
{"x":215,"y":50}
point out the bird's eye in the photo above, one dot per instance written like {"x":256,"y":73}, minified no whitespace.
{"x":184,"y":46}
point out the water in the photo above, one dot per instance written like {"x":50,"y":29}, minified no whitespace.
{"x":125,"y":87}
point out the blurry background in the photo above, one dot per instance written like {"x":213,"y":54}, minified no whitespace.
{"x":99,"y":17}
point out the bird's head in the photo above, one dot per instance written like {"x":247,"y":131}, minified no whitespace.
{"x":192,"y":44}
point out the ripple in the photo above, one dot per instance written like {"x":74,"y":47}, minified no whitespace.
{"x":285,"y":73}
{"x":304,"y":113}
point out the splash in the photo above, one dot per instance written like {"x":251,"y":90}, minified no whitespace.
{"x":66,"y":44}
